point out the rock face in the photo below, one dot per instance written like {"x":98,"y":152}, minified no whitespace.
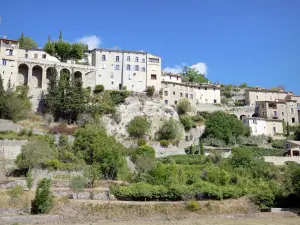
{"x":135,"y":106}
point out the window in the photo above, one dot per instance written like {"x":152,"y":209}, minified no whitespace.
{"x":254,"y":121}
{"x":166,"y":93}
{"x":274,"y":129}
{"x":170,"y":78}
{"x":143,"y":60}
{"x":143,"y":69}
{"x":206,"y":100}
{"x":214,"y":89}
{"x":9,"y":52}
{"x":44,"y":56}
{"x":128,"y":58}
{"x":215,"y":100}
{"x":117,"y":67}
{"x":117,"y":58}
{"x":255,"y":129}
{"x":177,"y":78}
{"x":187,"y":95}
{"x":129,"y":76}
{"x":293,"y":119}
{"x":263,"y":106}
{"x":256,"y":97}
{"x":175,"y":102}
{"x":282,"y":113}
{"x":181,"y":95}
{"x":26,"y":55}
{"x":35,"y":56}
{"x":154,"y":60}
{"x":136,"y":59}
{"x":3,"y":62}
{"x":173,"y":85}
{"x":136,"y":68}
{"x":153,"y":76}
{"x":292,"y":111}
{"x":128,"y":67}
{"x":205,"y":89}
{"x":173,"y":92}
{"x":191,"y":96}
{"x":103,"y":57}
{"x":166,"y":102}
{"x":275,"y":113}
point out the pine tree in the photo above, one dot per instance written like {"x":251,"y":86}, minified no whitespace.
{"x":2,"y":98}
{"x":22,"y":41}
{"x":60,"y":35}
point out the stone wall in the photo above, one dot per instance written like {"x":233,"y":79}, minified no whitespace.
{"x":281,"y":160}
{"x":7,"y":125}
{"x":9,"y":149}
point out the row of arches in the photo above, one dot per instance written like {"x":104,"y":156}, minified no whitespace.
{"x":37,"y":75}
{"x":243,"y":116}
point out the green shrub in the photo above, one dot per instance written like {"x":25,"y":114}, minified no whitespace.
{"x":192,"y":206}
{"x":99,"y":88}
{"x":183,"y":106}
{"x":14,"y":194}
{"x":278,"y":144}
{"x":29,"y":180}
{"x":187,"y":122}
{"x":214,"y":142}
{"x":164,"y":143}
{"x":138,"y":126}
{"x":204,"y":114}
{"x":144,"y":150}
{"x":170,"y":130}
{"x":150,"y":91}
{"x":43,"y":200}
{"x":197,"y":118}
{"x":141,"y":141}
{"x":263,"y":196}
{"x":77,"y":184}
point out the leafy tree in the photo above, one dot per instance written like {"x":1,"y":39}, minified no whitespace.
{"x":192,"y":75}
{"x":150,"y":91}
{"x":201,"y":147}
{"x":64,"y":51}
{"x":243,"y":85}
{"x":99,"y":89}
{"x":43,"y":200}
{"x":183,"y":106}
{"x":77,"y":184}
{"x":92,"y":173}
{"x":35,"y":154}
{"x":170,"y":130}
{"x":222,"y":125}
{"x":187,"y":122}
{"x":27,"y":42}
{"x":297,"y":133}
{"x":138,"y":126}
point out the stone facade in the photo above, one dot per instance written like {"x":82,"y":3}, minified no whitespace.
{"x":261,"y":126}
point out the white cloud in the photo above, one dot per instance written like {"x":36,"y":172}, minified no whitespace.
{"x":92,"y":41}
{"x":200,"y":66}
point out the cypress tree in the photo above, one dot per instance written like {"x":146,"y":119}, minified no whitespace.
{"x":60,"y":35}
{"x":2,"y":98}
{"x":22,"y":41}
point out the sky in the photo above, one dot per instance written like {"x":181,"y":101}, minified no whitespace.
{"x":231,"y":41}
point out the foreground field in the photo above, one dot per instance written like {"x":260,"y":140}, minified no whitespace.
{"x":262,"y":219}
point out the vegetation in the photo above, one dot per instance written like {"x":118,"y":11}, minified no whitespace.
{"x":223,"y":126}
{"x":187,"y":122}
{"x":150,"y":91}
{"x":14,"y":194}
{"x":170,"y":130}
{"x":297,"y":133}
{"x":43,"y":200}
{"x":192,"y":75}
{"x":164,"y":143}
{"x":99,"y":89}
{"x":138,"y":126}
{"x":141,"y":141}
{"x":14,"y":104}
{"x":77,"y":184}
{"x":27,"y":42}
{"x":183,"y":106}
{"x":29,"y":180}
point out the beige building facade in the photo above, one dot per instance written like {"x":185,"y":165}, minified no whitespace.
{"x":262,"y":126}
{"x":197,"y":94}
{"x":285,"y":110}
{"x":258,"y":94}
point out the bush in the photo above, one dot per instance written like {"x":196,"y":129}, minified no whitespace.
{"x":183,"y":106}
{"x":150,"y":91}
{"x":164,"y":143}
{"x":144,"y":150}
{"x":43,"y":200}
{"x":197,"y":118}
{"x":192,"y":206}
{"x":138,"y":126}
{"x":141,"y":141}
{"x":214,"y":142}
{"x":14,"y":194}
{"x":29,"y":180}
{"x":48,"y":118}
{"x":170,"y":130}
{"x":278,"y":144}
{"x":187,"y":122}
{"x":204,"y":114}
{"x":98,"y":89}
{"x":84,"y":119}
{"x":77,"y":184}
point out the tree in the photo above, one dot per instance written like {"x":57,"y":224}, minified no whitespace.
{"x":29,"y":180}
{"x":183,"y":106}
{"x":35,"y":154}
{"x":192,"y":75}
{"x":138,"y":126}
{"x":27,"y":42}
{"x":170,"y":130}
{"x":223,"y":126}
{"x":43,"y":200}
{"x":92,"y":173}
{"x":201,"y":147}
{"x":77,"y":184}
{"x":297,"y":133}
{"x":64,"y":51}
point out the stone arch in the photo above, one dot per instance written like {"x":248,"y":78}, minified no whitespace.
{"x":23,"y":74}
{"x":51,"y":71}
{"x":37,"y":76}
{"x":242,"y":117}
{"x":65,"y":71}
{"x":233,"y":115}
{"x":255,"y":115}
{"x":78,"y":75}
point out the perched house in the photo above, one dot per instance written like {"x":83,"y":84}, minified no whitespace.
{"x":263,"y":126}
{"x":292,"y":148}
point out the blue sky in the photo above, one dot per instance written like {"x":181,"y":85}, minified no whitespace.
{"x":234,"y":41}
